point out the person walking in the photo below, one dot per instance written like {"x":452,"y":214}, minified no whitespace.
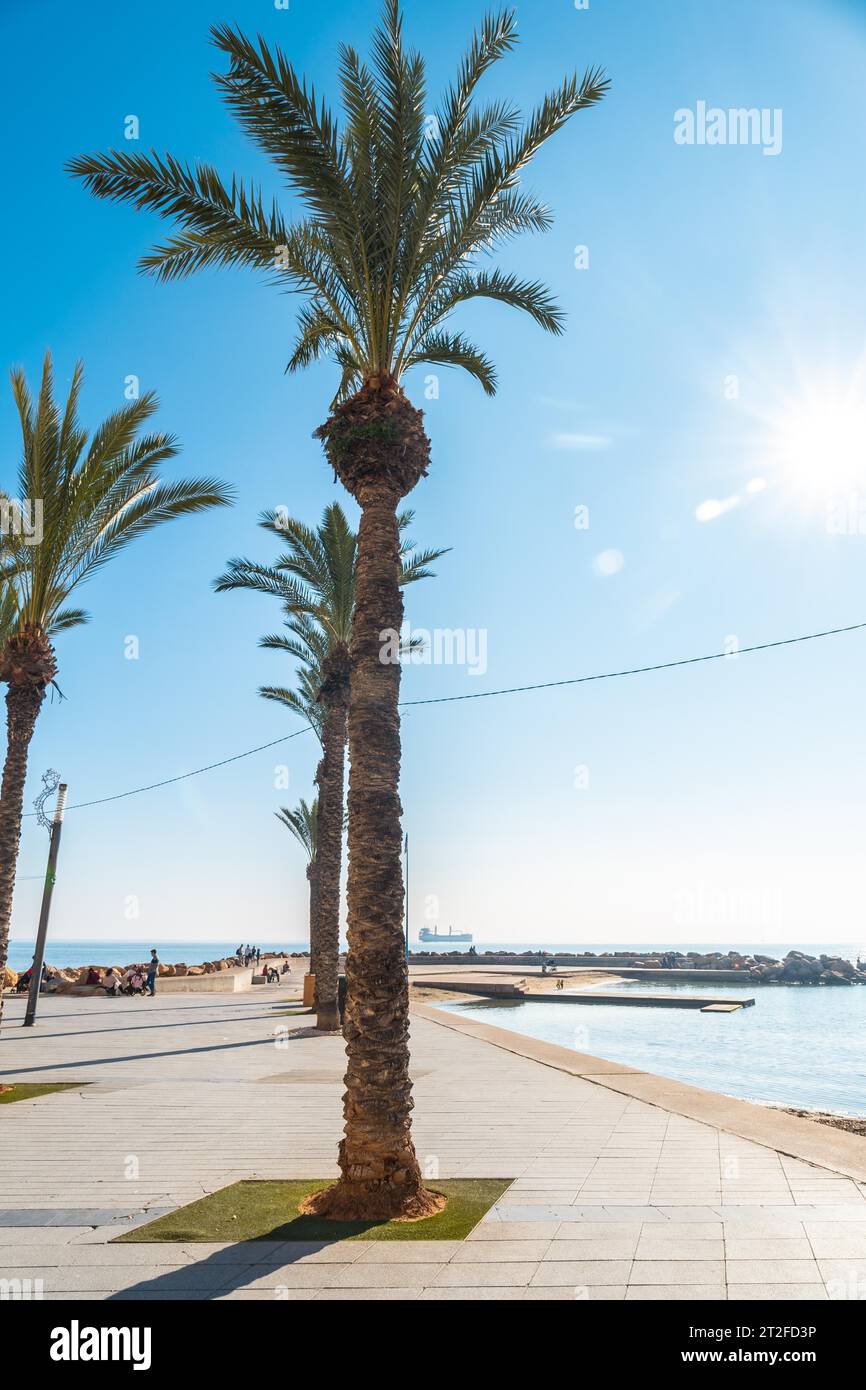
{"x":152,"y":973}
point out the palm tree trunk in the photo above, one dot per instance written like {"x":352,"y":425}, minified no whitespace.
{"x":381,"y":1177}
{"x":330,"y":780}
{"x":23,"y":702}
{"x":314,"y":915}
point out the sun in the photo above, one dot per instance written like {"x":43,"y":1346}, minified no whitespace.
{"x":816,"y":445}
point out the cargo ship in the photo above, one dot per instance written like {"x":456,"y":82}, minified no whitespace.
{"x":429,"y":934}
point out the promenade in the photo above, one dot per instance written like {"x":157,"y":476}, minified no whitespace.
{"x":614,"y":1197}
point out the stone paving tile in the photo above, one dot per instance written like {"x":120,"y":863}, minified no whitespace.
{"x":598,"y":1230}
{"x":652,"y":1248}
{"x":404,"y":1294}
{"x":773,"y":1271}
{"x":581,"y":1273}
{"x":511,"y":1274}
{"x":78,"y":1256}
{"x":513,"y":1230}
{"x":421,"y":1251}
{"x":838,"y":1247}
{"x":670,"y":1271}
{"x":782,"y":1293}
{"x":41,"y":1235}
{"x":763,"y":1248}
{"x":706,"y":1212}
{"x":613,"y":1248}
{"x":268,"y":1296}
{"x":472,"y":1295}
{"x":684,"y":1230}
{"x":763,"y":1230}
{"x":676,"y":1293}
{"x":606,"y":1293}
{"x":845,"y":1269}
{"x":393,"y":1276}
{"x":293,"y":1276}
{"x":501,"y":1251}
{"x":106,"y":1279}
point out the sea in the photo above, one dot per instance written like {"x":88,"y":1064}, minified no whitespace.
{"x":125,"y":950}
{"x":796,"y":1046}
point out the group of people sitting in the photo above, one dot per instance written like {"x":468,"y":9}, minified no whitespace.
{"x":133,"y":981}
{"x":23,"y":985}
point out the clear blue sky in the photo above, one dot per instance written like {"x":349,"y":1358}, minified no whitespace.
{"x":724,"y":801}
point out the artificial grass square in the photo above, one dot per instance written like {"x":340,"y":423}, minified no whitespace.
{"x":269,"y":1211}
{"x":27,"y":1090}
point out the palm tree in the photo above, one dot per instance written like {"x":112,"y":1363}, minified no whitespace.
{"x":303,"y":823}
{"x":400,"y":208}
{"x":96,"y":494}
{"x":315,"y":580}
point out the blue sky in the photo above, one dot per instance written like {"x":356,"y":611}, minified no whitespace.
{"x":723,"y":801}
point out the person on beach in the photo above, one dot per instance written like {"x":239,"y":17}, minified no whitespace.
{"x":110,"y":983}
{"x":152,"y":973}
{"x":92,"y":976}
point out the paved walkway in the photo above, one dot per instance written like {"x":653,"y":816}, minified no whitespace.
{"x":613,"y":1197}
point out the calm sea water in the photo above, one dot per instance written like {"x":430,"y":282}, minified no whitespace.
{"x":798,"y":1046}
{"x":122,"y":951}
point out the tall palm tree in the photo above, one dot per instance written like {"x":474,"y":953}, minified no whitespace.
{"x":302,"y":822}
{"x":97,"y":494}
{"x":315,"y":580}
{"x":400,"y":209}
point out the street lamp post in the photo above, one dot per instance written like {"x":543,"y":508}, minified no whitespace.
{"x":54,"y":827}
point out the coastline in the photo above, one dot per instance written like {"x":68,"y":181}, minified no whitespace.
{"x":822,"y":1144}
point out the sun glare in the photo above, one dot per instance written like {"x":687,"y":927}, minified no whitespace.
{"x":817,"y":446}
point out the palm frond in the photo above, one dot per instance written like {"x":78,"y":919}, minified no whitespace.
{"x":397,"y":206}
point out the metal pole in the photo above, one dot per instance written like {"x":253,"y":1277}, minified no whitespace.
{"x":50,"y":875}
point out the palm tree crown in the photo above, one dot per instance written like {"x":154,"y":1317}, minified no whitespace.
{"x":314,"y":578}
{"x":96,"y":494}
{"x":400,"y":204}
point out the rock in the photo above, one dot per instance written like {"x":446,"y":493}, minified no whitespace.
{"x":181,"y":969}
{"x":196,"y":970}
{"x":834,"y":977}
{"x":8,"y":978}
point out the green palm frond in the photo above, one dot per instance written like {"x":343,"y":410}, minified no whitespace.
{"x":314,"y":579}
{"x":398,"y":206}
{"x":302,"y":822}
{"x":454,"y":350}
{"x":97,"y":494}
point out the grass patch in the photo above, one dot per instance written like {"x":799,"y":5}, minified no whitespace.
{"x":27,"y":1090}
{"x":269,"y":1211}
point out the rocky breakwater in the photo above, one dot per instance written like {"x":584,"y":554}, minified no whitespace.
{"x":64,"y":981}
{"x":799,"y":969}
